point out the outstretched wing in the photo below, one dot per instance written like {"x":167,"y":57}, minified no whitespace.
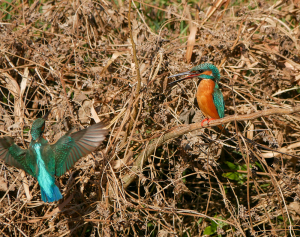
{"x":219,"y":101}
{"x":71,"y":147}
{"x":13,"y":155}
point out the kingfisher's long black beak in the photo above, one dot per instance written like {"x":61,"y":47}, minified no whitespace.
{"x":189,"y":73}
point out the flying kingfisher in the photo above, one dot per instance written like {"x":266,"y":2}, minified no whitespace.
{"x":209,"y":97}
{"x":43,"y":160}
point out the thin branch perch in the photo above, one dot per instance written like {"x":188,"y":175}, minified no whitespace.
{"x":183,"y":129}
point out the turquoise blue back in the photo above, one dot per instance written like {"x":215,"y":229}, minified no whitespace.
{"x":219,"y":101}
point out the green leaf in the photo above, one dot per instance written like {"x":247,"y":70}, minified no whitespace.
{"x":244,"y":167}
{"x":240,"y":178}
{"x":149,"y":224}
{"x":264,"y":185}
{"x":232,"y":175}
{"x":199,"y":221}
{"x":209,"y":231}
{"x":259,"y":166}
{"x":221,"y":224}
{"x":231,"y":165}
{"x":212,"y":229}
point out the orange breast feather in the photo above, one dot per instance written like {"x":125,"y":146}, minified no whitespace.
{"x":205,"y":98}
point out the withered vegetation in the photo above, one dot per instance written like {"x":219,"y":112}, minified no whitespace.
{"x":150,"y":177}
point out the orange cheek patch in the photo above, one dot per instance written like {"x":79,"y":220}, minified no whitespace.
{"x":209,"y":73}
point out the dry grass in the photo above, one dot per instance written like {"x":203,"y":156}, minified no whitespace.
{"x":155,"y":175}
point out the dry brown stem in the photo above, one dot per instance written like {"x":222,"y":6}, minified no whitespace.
{"x":137,"y":68}
{"x":183,"y":129}
{"x":89,"y":60}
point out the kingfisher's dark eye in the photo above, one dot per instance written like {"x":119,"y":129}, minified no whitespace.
{"x":200,"y":71}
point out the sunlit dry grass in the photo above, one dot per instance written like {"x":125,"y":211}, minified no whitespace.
{"x":155,"y":174}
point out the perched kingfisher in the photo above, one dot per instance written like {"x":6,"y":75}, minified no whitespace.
{"x":209,"y":97}
{"x":43,"y":160}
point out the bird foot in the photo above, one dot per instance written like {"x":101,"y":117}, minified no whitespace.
{"x":204,"y":120}
{"x":208,"y":120}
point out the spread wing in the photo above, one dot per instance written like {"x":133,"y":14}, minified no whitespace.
{"x":71,"y":147}
{"x":13,"y":155}
{"x":219,"y":101}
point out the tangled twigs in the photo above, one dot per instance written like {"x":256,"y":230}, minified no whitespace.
{"x":183,"y":129}
{"x":137,"y":68}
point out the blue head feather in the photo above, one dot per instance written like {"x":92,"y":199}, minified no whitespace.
{"x":37,"y":128}
{"x":208,"y":67}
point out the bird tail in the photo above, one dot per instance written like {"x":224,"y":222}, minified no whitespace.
{"x":52,"y":195}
